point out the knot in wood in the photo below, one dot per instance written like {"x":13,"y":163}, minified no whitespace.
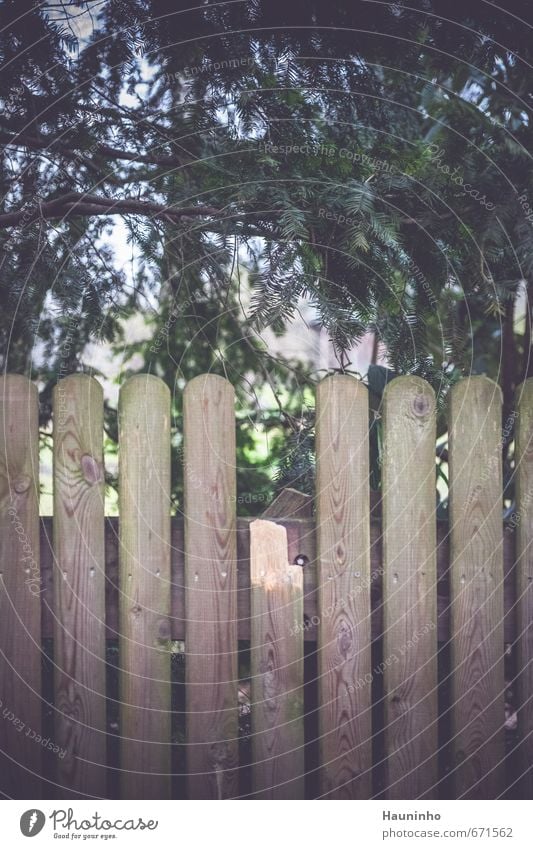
{"x":22,"y":484}
{"x":344,"y":640}
{"x":400,"y":706}
{"x":136,"y":609}
{"x":421,"y":405}
{"x":218,"y":755}
{"x":91,"y":469}
{"x":340,"y":555}
{"x":163,"y":630}
{"x":271,"y":687}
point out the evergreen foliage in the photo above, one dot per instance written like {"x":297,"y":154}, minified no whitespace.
{"x":370,"y":157}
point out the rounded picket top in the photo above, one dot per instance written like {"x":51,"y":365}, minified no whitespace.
{"x":522,"y":417}
{"x":143,"y":386}
{"x":79,"y":378}
{"x":19,"y":436}
{"x":476,"y":387}
{"x":17,"y":384}
{"x":78,"y":428}
{"x":474,"y":398}
{"x":77,"y":395}
{"x":410,"y":395}
{"x":204,"y":386}
{"x":339,"y":395}
{"x":208,"y":420}
{"x":208,"y":429}
{"x":144,"y":414}
{"x":144,"y":434}
{"x":18,"y":393}
{"x":524,"y":393}
{"x":342,"y":382}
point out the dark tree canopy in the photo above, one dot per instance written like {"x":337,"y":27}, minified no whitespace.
{"x":371,"y":157}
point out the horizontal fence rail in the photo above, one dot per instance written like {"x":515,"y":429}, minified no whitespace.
{"x":368,"y":651}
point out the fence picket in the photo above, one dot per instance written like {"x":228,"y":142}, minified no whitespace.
{"x":523,"y":521}
{"x":214,"y":593}
{"x":211,"y":588}
{"x":343,"y":550}
{"x":409,"y":589}
{"x":79,"y":586}
{"x":476,"y":572}
{"x":276,"y":665}
{"x":20,"y":590}
{"x":144,"y":622}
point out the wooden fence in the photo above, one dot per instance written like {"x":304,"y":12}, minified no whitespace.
{"x":377,"y":668}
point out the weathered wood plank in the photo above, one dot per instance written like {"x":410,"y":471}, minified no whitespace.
{"x":522,"y":520}
{"x":276,"y":666}
{"x":144,"y":625}
{"x":477,"y":638}
{"x":343,"y":546}
{"x":79,"y":586}
{"x":210,"y":588}
{"x":410,"y":588}
{"x":20,"y":591}
{"x":290,"y":504}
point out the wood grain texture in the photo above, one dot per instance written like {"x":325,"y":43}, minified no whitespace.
{"x":522,"y":520}
{"x":343,"y":550}
{"x":409,"y":664}
{"x":277,"y":666}
{"x":144,"y":624}
{"x":301,"y":540}
{"x":476,"y":575}
{"x":290,"y":504}
{"x":211,"y":588}
{"x":20,"y":591}
{"x":79,"y":586}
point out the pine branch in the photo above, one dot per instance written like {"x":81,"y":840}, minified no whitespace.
{"x":74,"y":204}
{"x":43,"y":143}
